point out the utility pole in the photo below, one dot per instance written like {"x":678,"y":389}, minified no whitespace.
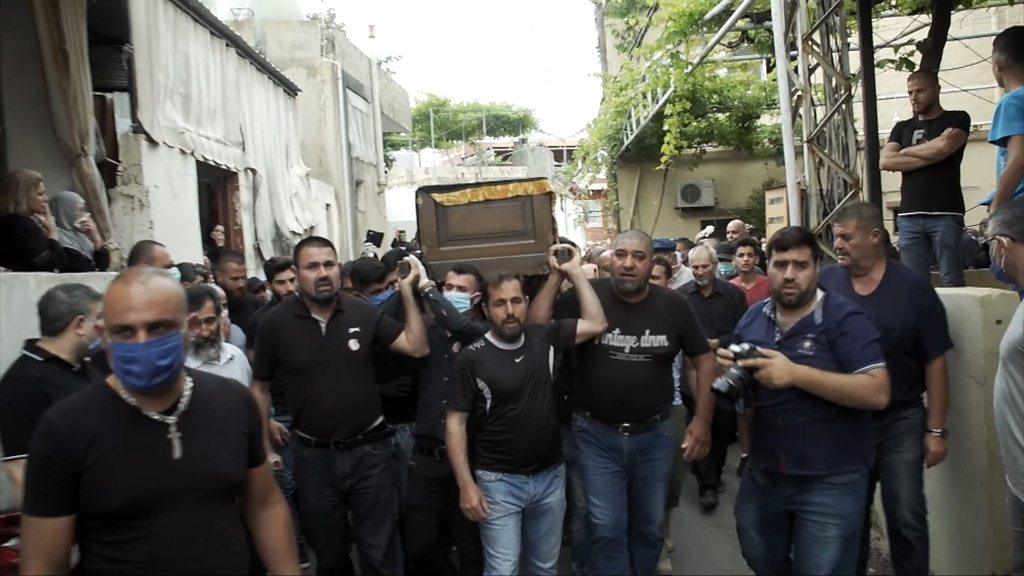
{"x":867,"y":68}
{"x":432,"y":128}
{"x":483,"y":120}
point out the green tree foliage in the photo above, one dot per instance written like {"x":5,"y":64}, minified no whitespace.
{"x":456,"y":122}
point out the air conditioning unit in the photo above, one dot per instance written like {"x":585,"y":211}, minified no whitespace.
{"x":700,"y":194}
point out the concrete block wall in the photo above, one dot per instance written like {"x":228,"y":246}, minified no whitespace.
{"x":966,"y":493}
{"x":19,"y":293}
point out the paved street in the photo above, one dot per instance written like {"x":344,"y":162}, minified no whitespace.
{"x":706,"y":543}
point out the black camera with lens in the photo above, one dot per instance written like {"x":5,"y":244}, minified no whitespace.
{"x":737,"y":379}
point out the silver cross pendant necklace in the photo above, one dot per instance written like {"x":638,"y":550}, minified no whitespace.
{"x":172,"y":421}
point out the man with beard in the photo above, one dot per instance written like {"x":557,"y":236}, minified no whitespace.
{"x":505,"y":393}
{"x":928,"y":149}
{"x":433,"y":522}
{"x":907,"y":311}
{"x":207,"y":350}
{"x":230,"y":274}
{"x":718,"y":306}
{"x":317,"y":346}
{"x":802,"y":500}
{"x":622,"y":421}
{"x":155,"y":469}
{"x":280,"y":275}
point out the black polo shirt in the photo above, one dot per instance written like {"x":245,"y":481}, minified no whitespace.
{"x":33,"y":383}
{"x":326,"y":370}
{"x":277,"y":398}
{"x":718,"y":312}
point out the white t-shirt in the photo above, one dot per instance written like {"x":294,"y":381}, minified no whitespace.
{"x":1008,"y":400}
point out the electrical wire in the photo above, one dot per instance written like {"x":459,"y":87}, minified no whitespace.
{"x":944,"y":81}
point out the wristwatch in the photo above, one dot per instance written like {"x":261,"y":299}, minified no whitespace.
{"x":940,"y":432}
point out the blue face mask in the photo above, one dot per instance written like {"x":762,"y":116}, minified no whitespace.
{"x":460,"y":300}
{"x":148,"y":367}
{"x":726,"y":269}
{"x":175,"y":273}
{"x":381,"y":298}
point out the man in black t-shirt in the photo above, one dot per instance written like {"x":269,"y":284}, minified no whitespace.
{"x":504,"y":392}
{"x":625,"y":396}
{"x":280,"y":273}
{"x":230,"y":274}
{"x":318,"y":347}
{"x":915,"y":339}
{"x":154,"y":469}
{"x":928,"y":149}
{"x":47,"y":370}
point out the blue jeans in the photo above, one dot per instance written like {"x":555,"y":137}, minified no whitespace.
{"x":525,"y":519}
{"x":578,"y":525}
{"x":286,"y":475}
{"x":927,"y":239}
{"x":361,"y":481}
{"x":626,"y":480}
{"x":899,"y":468}
{"x":801,"y":524}
{"x":405,"y":438}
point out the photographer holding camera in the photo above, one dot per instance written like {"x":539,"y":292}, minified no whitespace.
{"x":801,"y":504}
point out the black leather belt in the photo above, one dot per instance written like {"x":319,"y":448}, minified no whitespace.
{"x":378,"y":432}
{"x":435,"y":452}
{"x":628,"y":428}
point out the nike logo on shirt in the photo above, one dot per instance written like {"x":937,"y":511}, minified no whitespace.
{"x":520,"y":358}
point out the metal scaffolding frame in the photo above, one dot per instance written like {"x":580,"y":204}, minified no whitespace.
{"x":820,"y":107}
{"x":816,"y":89}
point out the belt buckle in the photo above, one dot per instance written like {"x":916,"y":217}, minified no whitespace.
{"x":625,"y":428}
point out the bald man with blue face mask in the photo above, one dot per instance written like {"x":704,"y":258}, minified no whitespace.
{"x":121,"y":466}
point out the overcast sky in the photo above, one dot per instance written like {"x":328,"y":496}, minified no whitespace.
{"x":541,"y":54}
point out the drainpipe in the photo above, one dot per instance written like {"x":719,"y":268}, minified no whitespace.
{"x":378,"y":126}
{"x":347,"y":210}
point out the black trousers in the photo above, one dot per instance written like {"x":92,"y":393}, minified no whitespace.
{"x":723,"y":431}
{"x":434,"y":523}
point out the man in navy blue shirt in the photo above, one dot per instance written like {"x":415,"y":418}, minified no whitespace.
{"x":915,"y":338}
{"x":801,"y":504}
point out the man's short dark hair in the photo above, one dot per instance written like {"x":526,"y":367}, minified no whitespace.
{"x":225,"y":256}
{"x":60,"y":305}
{"x":1009,"y":45}
{"x":663,"y":262}
{"x":255,"y":285}
{"x":366,"y":272}
{"x":496,"y":280}
{"x":863,"y":213}
{"x":312,"y":242}
{"x":392,"y":257}
{"x":634,"y":235}
{"x":198,"y":295}
{"x":142,"y":251}
{"x":929,"y":76}
{"x":189,"y":272}
{"x":1008,"y":220}
{"x":749,"y":243}
{"x":275,"y":266}
{"x":792,"y":237}
{"x":467,"y":269}
{"x":686,"y":242}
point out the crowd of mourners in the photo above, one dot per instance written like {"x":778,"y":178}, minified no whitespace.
{"x":191,"y":419}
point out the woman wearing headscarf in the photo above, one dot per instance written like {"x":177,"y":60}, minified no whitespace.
{"x":84,"y":250}
{"x":28,"y":233}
